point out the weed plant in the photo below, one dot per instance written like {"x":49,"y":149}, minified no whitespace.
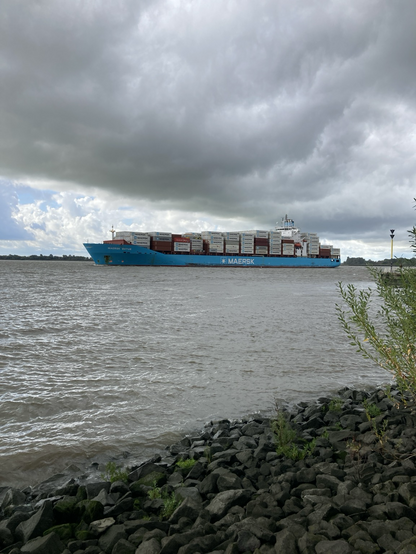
{"x":186,"y":464}
{"x":170,"y":501}
{"x":287,"y":442}
{"x":114,"y":473}
{"x":335,"y":405}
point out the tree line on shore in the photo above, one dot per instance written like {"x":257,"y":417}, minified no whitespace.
{"x":67,"y":258}
{"x":397,"y":262}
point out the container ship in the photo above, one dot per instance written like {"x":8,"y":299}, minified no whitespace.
{"x":283,"y":246}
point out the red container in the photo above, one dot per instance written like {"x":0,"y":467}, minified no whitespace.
{"x":325,"y":252}
{"x":178,"y":238}
{"x":161,"y":245}
{"x":261,"y":242}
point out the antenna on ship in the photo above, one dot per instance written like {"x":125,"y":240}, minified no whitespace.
{"x":112,"y":231}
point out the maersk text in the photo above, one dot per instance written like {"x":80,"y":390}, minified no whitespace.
{"x":239,"y":261}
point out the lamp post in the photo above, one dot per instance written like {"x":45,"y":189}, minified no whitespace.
{"x":391,"y":251}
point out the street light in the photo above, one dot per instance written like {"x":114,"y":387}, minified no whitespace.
{"x":391,"y":252}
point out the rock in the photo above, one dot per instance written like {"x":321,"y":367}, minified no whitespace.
{"x":333,"y":547}
{"x":285,"y":542}
{"x":51,"y":544}
{"x":92,"y":489}
{"x":397,"y":510}
{"x":101,"y":525}
{"x":12,"y":497}
{"x":37,"y":524}
{"x":151,"y":546}
{"x":189,"y":508}
{"x":110,"y":538}
{"x":146,"y":469}
{"x":228,"y":481}
{"x":123,"y":546}
{"x":223,"y":501}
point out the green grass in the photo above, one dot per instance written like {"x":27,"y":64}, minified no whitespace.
{"x":186,"y":464}
{"x":114,"y":473}
{"x":287,"y":442}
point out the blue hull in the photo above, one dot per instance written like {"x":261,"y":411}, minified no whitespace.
{"x":112,"y":254}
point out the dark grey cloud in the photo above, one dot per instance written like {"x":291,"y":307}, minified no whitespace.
{"x":238,"y":109}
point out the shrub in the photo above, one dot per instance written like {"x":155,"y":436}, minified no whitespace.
{"x":388,"y":335}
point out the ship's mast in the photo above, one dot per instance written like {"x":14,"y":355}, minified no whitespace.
{"x":112,"y":231}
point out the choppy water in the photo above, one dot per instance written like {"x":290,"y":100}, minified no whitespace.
{"x":96,"y":361}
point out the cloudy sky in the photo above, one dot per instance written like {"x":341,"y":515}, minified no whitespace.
{"x":189,"y":115}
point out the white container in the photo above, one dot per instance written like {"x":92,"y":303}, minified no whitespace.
{"x":259,"y":234}
{"x":182,"y":246}
{"x":211,"y":234}
{"x":232,"y":236}
{"x":232,"y":249}
{"x":142,"y":242}
{"x":288,"y":249}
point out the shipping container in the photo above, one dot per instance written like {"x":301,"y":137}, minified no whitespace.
{"x":182,"y":246}
{"x":232,"y":249}
{"x":232,"y":236}
{"x":178,"y":238}
{"x":258,"y":234}
{"x":145,"y":243}
{"x":288,"y":249}
{"x":206,"y":234}
{"x":116,"y":241}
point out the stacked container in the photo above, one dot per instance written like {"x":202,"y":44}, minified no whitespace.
{"x":325,"y":250}
{"x":214,"y":242}
{"x":197,"y":244}
{"x":139,"y":239}
{"x":232,"y":242}
{"x":313,"y":243}
{"x":275,"y":243}
{"x":181,"y":244}
{"x":288,"y":247}
{"x":247,"y":242}
{"x":259,"y":234}
{"x":162,"y":242}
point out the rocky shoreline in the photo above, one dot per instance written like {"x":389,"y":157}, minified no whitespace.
{"x":334,"y":476}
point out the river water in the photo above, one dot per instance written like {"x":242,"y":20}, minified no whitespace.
{"x":99,"y":363}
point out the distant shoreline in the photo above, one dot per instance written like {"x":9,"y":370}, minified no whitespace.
{"x":50,"y":258}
